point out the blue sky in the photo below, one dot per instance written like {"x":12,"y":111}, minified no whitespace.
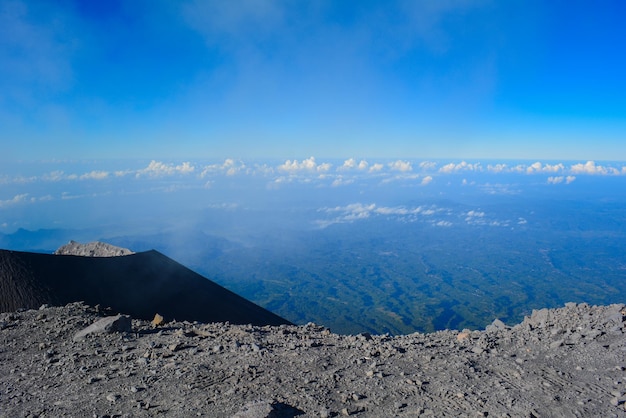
{"x":332,"y":79}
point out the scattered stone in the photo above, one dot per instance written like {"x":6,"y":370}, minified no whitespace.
{"x":462,"y":336}
{"x":538,"y":318}
{"x":113,"y":397}
{"x":118,"y":323}
{"x":556,"y":344}
{"x":158,"y":320}
{"x":496,"y":325}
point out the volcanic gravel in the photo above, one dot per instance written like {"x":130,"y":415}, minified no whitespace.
{"x":563,"y":362}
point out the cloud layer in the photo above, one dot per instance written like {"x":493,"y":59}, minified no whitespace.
{"x":100,"y":178}
{"x":424,"y":172}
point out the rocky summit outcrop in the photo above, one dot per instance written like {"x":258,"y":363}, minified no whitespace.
{"x":567,"y":362}
{"x":92,"y":249}
{"x":140,"y":285}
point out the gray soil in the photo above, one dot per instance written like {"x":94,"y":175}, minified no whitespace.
{"x":563,"y":362}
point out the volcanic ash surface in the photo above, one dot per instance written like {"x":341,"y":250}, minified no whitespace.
{"x":68,"y":361}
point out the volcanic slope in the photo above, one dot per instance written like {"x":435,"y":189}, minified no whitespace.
{"x":567,"y":362}
{"x":139,"y":284}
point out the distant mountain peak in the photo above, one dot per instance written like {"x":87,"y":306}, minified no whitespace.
{"x":92,"y":249}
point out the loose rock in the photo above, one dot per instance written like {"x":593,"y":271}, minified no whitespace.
{"x":118,"y":323}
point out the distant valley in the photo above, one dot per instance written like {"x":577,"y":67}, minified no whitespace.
{"x":394,"y":274}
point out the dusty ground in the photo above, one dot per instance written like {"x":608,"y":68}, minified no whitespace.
{"x":565,"y":362}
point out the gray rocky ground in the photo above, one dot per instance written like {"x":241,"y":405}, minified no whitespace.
{"x":92,"y":249}
{"x":564,"y":362}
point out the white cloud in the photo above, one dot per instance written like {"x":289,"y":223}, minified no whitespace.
{"x":122,"y":173}
{"x":376,"y":167}
{"x":282,"y":179}
{"x":554,"y":168}
{"x":17,"y":199}
{"x":359,"y":211}
{"x":398,"y":210}
{"x":225,"y":205}
{"x":534,"y":167}
{"x":590,"y":167}
{"x":57,"y":175}
{"x":95,"y":175}
{"x":428,"y":165}
{"x":475,"y":217}
{"x":497,"y":168}
{"x":156,"y":168}
{"x":264,"y":169}
{"x":426,"y":180}
{"x":324,"y":167}
{"x":305,"y":165}
{"x":349,"y":164}
{"x":499,"y":223}
{"x":400,"y":177}
{"x":400,"y":165}
{"x":229,"y":167}
{"x":348,"y":213}
{"x":340,"y":181}
{"x":538,"y":167}
{"x":69,"y":196}
{"x":462,"y":166}
{"x":522,"y":221}
{"x":561,"y":179}
{"x":160,"y":169}
{"x":443,"y":223}
{"x":353,"y":207}
{"x":185,"y":168}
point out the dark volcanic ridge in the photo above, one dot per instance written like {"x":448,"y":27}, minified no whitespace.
{"x":567,"y":362}
{"x":139,"y":284}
